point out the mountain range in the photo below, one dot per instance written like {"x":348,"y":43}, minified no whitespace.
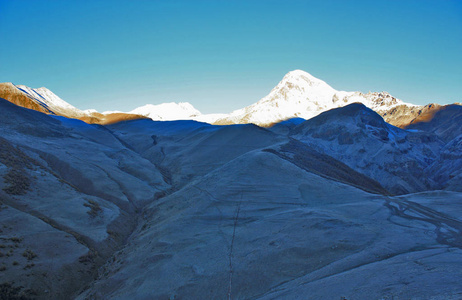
{"x":340,"y":195}
{"x":298,"y":95}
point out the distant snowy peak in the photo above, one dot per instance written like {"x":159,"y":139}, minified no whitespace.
{"x":301,"y":95}
{"x":168,"y":111}
{"x":175,"y":111}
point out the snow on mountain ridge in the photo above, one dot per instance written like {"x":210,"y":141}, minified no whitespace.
{"x":46,"y":96}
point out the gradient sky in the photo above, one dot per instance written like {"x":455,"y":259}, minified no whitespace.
{"x":224,"y":55}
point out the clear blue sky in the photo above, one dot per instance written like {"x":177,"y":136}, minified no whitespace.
{"x":224,"y":55}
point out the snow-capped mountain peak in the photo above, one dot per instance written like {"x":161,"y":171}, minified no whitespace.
{"x":301,"y":95}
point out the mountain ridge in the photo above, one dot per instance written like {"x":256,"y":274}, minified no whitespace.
{"x":45,"y":101}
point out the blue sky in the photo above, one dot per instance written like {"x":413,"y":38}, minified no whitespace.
{"x":224,"y":55}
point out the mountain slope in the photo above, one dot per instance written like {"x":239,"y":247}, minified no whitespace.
{"x":260,"y":227}
{"x":445,"y":122}
{"x":190,"y":149}
{"x":360,"y":138}
{"x":68,"y":193}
